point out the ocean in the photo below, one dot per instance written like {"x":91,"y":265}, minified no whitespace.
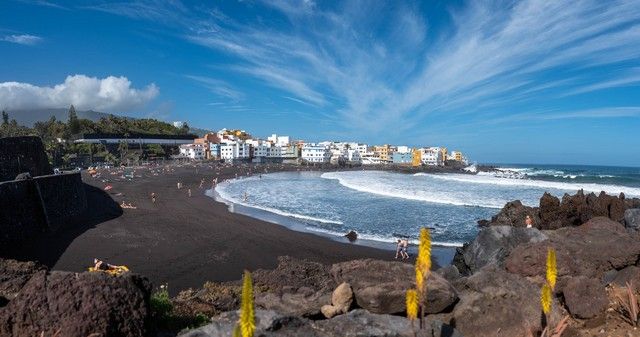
{"x":382,"y":206}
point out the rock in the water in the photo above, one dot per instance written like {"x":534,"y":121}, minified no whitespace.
{"x":585,"y":297}
{"x":352,"y":236}
{"x":589,"y":250}
{"x":380,"y":286}
{"x":494,"y":302}
{"x":492,"y":245}
{"x":514,"y":214}
{"x":632,"y":219}
{"x":14,"y":275}
{"x":341,"y":301}
{"x":71,"y":304}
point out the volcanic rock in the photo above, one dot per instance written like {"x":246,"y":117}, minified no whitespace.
{"x":589,"y":250}
{"x":14,"y":275}
{"x":630,"y":274}
{"x":380,"y":286}
{"x":632,"y":219}
{"x":585,"y":297}
{"x":514,"y":214}
{"x":494,"y":302}
{"x":492,"y":245}
{"x":352,"y":236}
{"x":341,"y":301}
{"x":71,"y":304}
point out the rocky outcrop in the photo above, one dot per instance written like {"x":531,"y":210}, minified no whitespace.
{"x":571,"y":210}
{"x":360,"y":323}
{"x":492,"y":245}
{"x":14,"y":275}
{"x":629,"y":275}
{"x":632,"y":219}
{"x":589,"y":250}
{"x":584,"y":297}
{"x":380,"y":286}
{"x":72,"y":304}
{"x":514,"y":214}
{"x":496,"y":303}
{"x":352,"y":236}
{"x":341,"y":301}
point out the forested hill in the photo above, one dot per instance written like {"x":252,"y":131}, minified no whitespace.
{"x":30,"y":117}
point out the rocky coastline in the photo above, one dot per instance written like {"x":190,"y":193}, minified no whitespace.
{"x":492,"y":288}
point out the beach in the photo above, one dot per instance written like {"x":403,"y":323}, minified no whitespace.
{"x":181,"y":241}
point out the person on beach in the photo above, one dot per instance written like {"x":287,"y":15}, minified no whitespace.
{"x":398,"y":248}
{"x":101,"y":265}
{"x":153,"y":197}
{"x":189,"y":192}
{"x":528,"y":221}
{"x":403,"y":251}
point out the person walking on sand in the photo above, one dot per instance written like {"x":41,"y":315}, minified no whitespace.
{"x":528,"y":221}
{"x":153,"y":197}
{"x":189,"y":192}
{"x":398,"y":248}
{"x":403,"y":251}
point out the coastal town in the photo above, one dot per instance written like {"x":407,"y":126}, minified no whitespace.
{"x":239,"y":146}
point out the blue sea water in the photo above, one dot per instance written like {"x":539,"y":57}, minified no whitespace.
{"x":382,"y":206}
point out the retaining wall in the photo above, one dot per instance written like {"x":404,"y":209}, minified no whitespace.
{"x":22,"y":154}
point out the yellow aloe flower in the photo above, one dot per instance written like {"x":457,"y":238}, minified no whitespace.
{"x":247,"y":315}
{"x":545,"y":298}
{"x":412,"y":304}
{"x":552,"y":271}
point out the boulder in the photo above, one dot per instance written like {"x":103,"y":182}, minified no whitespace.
{"x":492,"y":245}
{"x":352,"y":236}
{"x":14,"y":275}
{"x":514,"y":213}
{"x":303,"y":302}
{"x":584,"y":297}
{"x":632,"y":219}
{"x":550,"y":213}
{"x":268,"y":323}
{"x":361,"y":323}
{"x":450,"y":273}
{"x":630,"y":274}
{"x":341,"y":301}
{"x":380,"y":286}
{"x":494,"y":302}
{"x":71,"y":304}
{"x":212,"y":299}
{"x":589,"y":250}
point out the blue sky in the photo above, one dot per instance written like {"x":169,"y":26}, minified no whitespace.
{"x":504,"y":81}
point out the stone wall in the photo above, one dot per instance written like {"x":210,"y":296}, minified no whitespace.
{"x":22,"y":154}
{"x":29,"y":208}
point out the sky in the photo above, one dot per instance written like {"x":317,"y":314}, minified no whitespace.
{"x":528,"y":81}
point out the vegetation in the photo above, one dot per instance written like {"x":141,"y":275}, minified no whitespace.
{"x":629,"y":305}
{"x":246,"y":325}
{"x":546,"y":298}
{"x":164,"y":318}
{"x":416,"y":298}
{"x":57,"y":135}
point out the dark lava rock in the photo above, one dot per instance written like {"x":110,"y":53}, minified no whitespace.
{"x":589,"y":250}
{"x":14,"y":275}
{"x":514,"y":214}
{"x":380,"y":286}
{"x":484,"y":223}
{"x":71,"y":304}
{"x":630,"y":274}
{"x":492,"y":245}
{"x":632,"y":219}
{"x":352,"y":236}
{"x":494,"y":302}
{"x":450,"y":273}
{"x":585,"y":297}
{"x":550,"y":212}
{"x":292,"y":273}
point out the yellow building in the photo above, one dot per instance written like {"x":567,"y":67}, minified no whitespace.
{"x":383,"y":152}
{"x":417,"y":158}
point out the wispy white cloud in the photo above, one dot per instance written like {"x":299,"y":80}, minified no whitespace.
{"x":377,"y":66}
{"x":110,"y":94}
{"x":218,"y":87}
{"x":23,"y":39}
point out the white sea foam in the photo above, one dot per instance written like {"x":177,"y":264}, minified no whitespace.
{"x":381,"y":238}
{"x":220,"y":189}
{"x":542,"y":184}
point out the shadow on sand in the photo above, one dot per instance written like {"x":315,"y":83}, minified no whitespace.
{"x":48,"y":248}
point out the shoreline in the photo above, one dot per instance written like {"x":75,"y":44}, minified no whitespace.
{"x":443,"y":254}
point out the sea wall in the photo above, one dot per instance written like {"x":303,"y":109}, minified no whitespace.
{"x":22,"y":154}
{"x":29,"y":208}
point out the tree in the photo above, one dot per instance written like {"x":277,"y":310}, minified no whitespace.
{"x":74,"y":123}
{"x":123,"y":147}
{"x":5,"y":118}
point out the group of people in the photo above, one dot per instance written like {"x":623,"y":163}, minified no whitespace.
{"x":401,"y":249}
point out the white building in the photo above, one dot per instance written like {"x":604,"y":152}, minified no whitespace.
{"x":353,"y":156}
{"x":403,"y":149}
{"x":274,"y":151}
{"x":370,"y":158}
{"x":432,"y":156}
{"x":193,"y":151}
{"x":316,"y":153}
{"x":234,"y":151}
{"x":279,"y":140}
